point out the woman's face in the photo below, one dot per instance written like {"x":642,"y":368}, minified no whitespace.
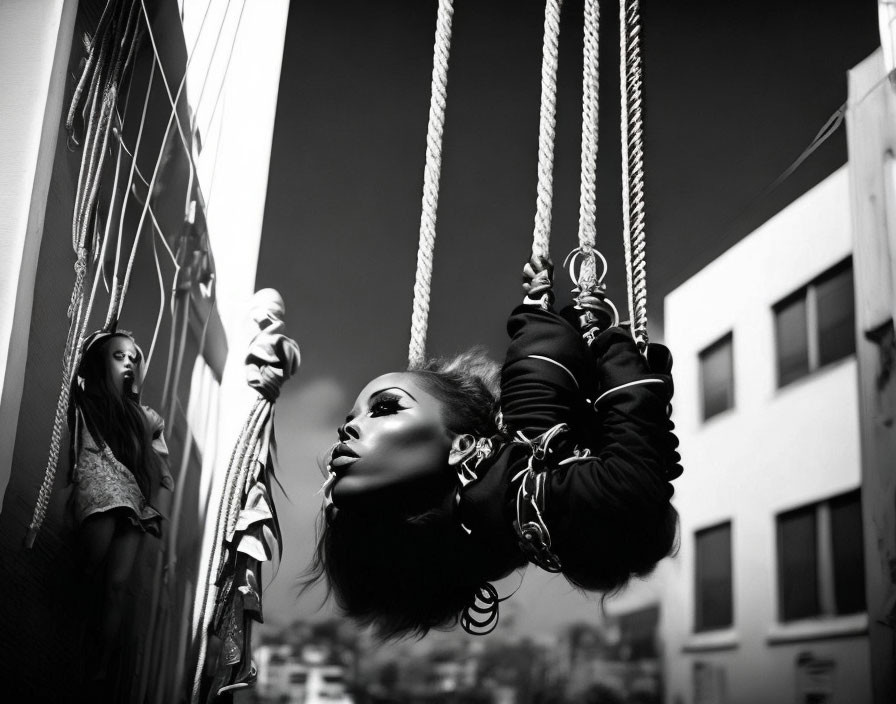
{"x":122,"y":362}
{"x":394,"y":437}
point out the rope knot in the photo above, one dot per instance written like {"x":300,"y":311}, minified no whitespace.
{"x":272,"y":359}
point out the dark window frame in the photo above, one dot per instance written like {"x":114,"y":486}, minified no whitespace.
{"x":704,"y":622}
{"x":807,"y":296}
{"x":726,"y":341}
{"x":831,"y":599}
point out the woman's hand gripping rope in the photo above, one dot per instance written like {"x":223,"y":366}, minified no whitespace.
{"x":596,"y":312}
{"x":538,"y":281}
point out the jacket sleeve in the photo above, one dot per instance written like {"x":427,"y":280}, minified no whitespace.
{"x":547,"y":375}
{"x":616,"y":498}
{"x":631,"y":429}
{"x":633,"y":405}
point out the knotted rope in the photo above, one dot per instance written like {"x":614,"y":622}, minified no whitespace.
{"x":634,"y":235}
{"x":272,"y":358}
{"x":541,"y":236}
{"x":205,"y":600}
{"x":431,"y":172}
{"x":110,"y":55}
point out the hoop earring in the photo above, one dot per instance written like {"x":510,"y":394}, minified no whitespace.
{"x":481,"y":617}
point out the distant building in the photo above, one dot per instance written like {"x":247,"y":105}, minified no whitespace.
{"x":766,"y":600}
{"x":273,"y":663}
{"x":310,"y":676}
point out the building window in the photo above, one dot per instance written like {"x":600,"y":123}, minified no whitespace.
{"x":709,"y":683}
{"x":638,"y":633}
{"x":814,"y":326}
{"x":821,"y":568}
{"x":717,"y":376}
{"x":715,"y":603}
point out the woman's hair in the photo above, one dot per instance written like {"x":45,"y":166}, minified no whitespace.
{"x":112,"y":415}
{"x":405,"y":575}
{"x":468,"y":385}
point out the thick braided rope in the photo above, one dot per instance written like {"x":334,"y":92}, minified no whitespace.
{"x":590,"y":112}
{"x":75,"y":310}
{"x":205,"y":600}
{"x":247,"y":460}
{"x":630,"y":77}
{"x":89,"y":153}
{"x":431,"y":172}
{"x":68,"y":364}
{"x":587,"y":276}
{"x":541,"y":236}
{"x":88,"y":67}
{"x":106,"y":72}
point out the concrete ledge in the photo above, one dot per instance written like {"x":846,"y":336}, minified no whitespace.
{"x":726,"y":639}
{"x":818,"y":629}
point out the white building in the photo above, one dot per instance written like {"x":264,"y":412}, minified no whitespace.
{"x":766,"y":599}
{"x":193,"y":300}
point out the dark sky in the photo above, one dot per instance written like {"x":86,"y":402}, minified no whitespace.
{"x":733,"y":93}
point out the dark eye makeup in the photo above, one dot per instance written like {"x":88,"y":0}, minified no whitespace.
{"x":382,"y":403}
{"x":385,"y":403}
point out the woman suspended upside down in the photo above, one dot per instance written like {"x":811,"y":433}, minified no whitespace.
{"x":444,"y":479}
{"x":119,"y":458}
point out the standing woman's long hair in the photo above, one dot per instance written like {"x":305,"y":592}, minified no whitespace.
{"x":113,"y":414}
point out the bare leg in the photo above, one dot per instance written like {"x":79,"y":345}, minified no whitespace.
{"x":97,"y":532}
{"x":121,"y":555}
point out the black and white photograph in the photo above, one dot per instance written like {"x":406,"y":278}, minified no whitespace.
{"x":448,"y":351}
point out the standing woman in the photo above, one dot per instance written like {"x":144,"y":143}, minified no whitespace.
{"x":119,"y":457}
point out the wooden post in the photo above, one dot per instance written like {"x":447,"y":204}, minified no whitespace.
{"x":871,"y":135}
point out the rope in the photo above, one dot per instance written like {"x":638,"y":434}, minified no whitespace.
{"x":120,"y":291}
{"x":161,"y":279}
{"x":634,"y":236}
{"x":590,"y":111}
{"x":118,"y":33}
{"x":111,"y":52}
{"x":547,"y":120}
{"x":174,"y":101}
{"x":211,"y":60}
{"x":431,"y":172}
{"x":87,"y":71}
{"x":211,"y":117}
{"x":206,"y":605}
{"x":121,"y":288}
{"x":587,"y":277}
{"x":271,"y":359}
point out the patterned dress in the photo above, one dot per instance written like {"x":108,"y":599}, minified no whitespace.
{"x":102,"y":483}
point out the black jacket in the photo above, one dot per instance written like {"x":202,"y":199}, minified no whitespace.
{"x":606,"y":486}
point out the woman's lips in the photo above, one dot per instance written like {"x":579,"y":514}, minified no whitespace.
{"x":343,"y":455}
{"x":343,"y":460}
